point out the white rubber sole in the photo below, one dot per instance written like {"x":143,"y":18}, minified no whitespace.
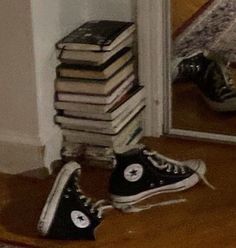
{"x":53,"y":199}
{"x":197,"y":165}
{"x":227,"y":106}
{"x":120,"y":201}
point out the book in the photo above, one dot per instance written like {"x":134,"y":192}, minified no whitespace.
{"x":97,"y":35}
{"x":103,"y":71}
{"x":99,"y":126}
{"x":91,"y":86}
{"x":108,"y":116}
{"x":81,"y":149}
{"x":78,"y":151}
{"x":115,"y":140}
{"x":103,"y":111}
{"x":91,"y":57}
{"x":120,"y":90}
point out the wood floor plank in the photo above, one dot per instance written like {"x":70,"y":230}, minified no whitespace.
{"x":182,"y":10}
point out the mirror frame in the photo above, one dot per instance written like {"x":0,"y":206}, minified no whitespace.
{"x":154,"y":46}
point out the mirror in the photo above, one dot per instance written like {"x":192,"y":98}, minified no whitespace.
{"x":203,"y":59}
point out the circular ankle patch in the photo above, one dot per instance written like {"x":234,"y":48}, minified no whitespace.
{"x":79,"y":219}
{"x":133,"y":172}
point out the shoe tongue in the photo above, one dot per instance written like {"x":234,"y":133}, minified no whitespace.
{"x":215,"y":74}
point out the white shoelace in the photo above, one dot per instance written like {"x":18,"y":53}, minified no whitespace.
{"x":168,"y":164}
{"x":135,"y":209}
{"x":164,"y":162}
{"x":98,"y":206}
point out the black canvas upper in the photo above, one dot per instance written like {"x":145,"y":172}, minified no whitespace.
{"x":192,"y":68}
{"x":72,"y":200}
{"x":152,"y":177}
{"x":209,"y":74}
{"x":215,"y":85}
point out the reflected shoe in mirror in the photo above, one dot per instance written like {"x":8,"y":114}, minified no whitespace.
{"x":190,"y":68}
{"x":218,"y":88}
{"x":140,"y":173}
{"x":68,"y":213}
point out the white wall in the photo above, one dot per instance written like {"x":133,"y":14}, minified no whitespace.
{"x":124,"y":10}
{"x":17,"y":79}
{"x":29,"y":31}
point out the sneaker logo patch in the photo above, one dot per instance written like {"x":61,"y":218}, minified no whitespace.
{"x":133,"y":172}
{"x":79,"y":219}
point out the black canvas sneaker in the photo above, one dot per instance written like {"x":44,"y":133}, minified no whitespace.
{"x":190,"y":68}
{"x":218,"y":88}
{"x":212,"y":77}
{"x":140,"y":173}
{"x":68,"y":213}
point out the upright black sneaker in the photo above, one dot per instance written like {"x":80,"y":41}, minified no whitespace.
{"x":140,"y":173}
{"x":68,"y":213}
{"x":212,"y":77}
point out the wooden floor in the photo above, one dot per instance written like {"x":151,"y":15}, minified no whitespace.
{"x":207,"y":219}
{"x":190,"y":112}
{"x":182,"y":11}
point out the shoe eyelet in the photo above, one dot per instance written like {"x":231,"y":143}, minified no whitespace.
{"x":68,"y":189}
{"x":161,"y":182}
{"x":152,"y":185}
{"x":76,"y":178}
{"x":66,"y":196}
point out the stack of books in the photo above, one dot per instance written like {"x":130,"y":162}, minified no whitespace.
{"x":99,"y":100}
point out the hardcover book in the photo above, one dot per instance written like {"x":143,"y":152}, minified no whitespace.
{"x":92,"y":86}
{"x":115,"y":140}
{"x":101,"y":35}
{"x":99,"y":126}
{"x":103,"y":111}
{"x":114,"y":95}
{"x":94,"y":153}
{"x":103,"y":71}
{"x":92,"y":57}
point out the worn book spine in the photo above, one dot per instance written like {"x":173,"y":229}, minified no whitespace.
{"x":75,"y":136}
{"x":99,"y":126}
{"x":94,"y":58}
{"x":95,"y":35}
{"x":91,"y":86}
{"x":122,"y":89}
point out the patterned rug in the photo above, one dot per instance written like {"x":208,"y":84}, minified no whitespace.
{"x":214,"y":30}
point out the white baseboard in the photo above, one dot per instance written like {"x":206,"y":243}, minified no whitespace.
{"x":21,"y":154}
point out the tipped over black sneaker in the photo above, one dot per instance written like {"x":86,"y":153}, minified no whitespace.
{"x":140,"y":173}
{"x":68,"y":213}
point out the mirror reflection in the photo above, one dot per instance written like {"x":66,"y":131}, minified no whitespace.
{"x":204,"y":65}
